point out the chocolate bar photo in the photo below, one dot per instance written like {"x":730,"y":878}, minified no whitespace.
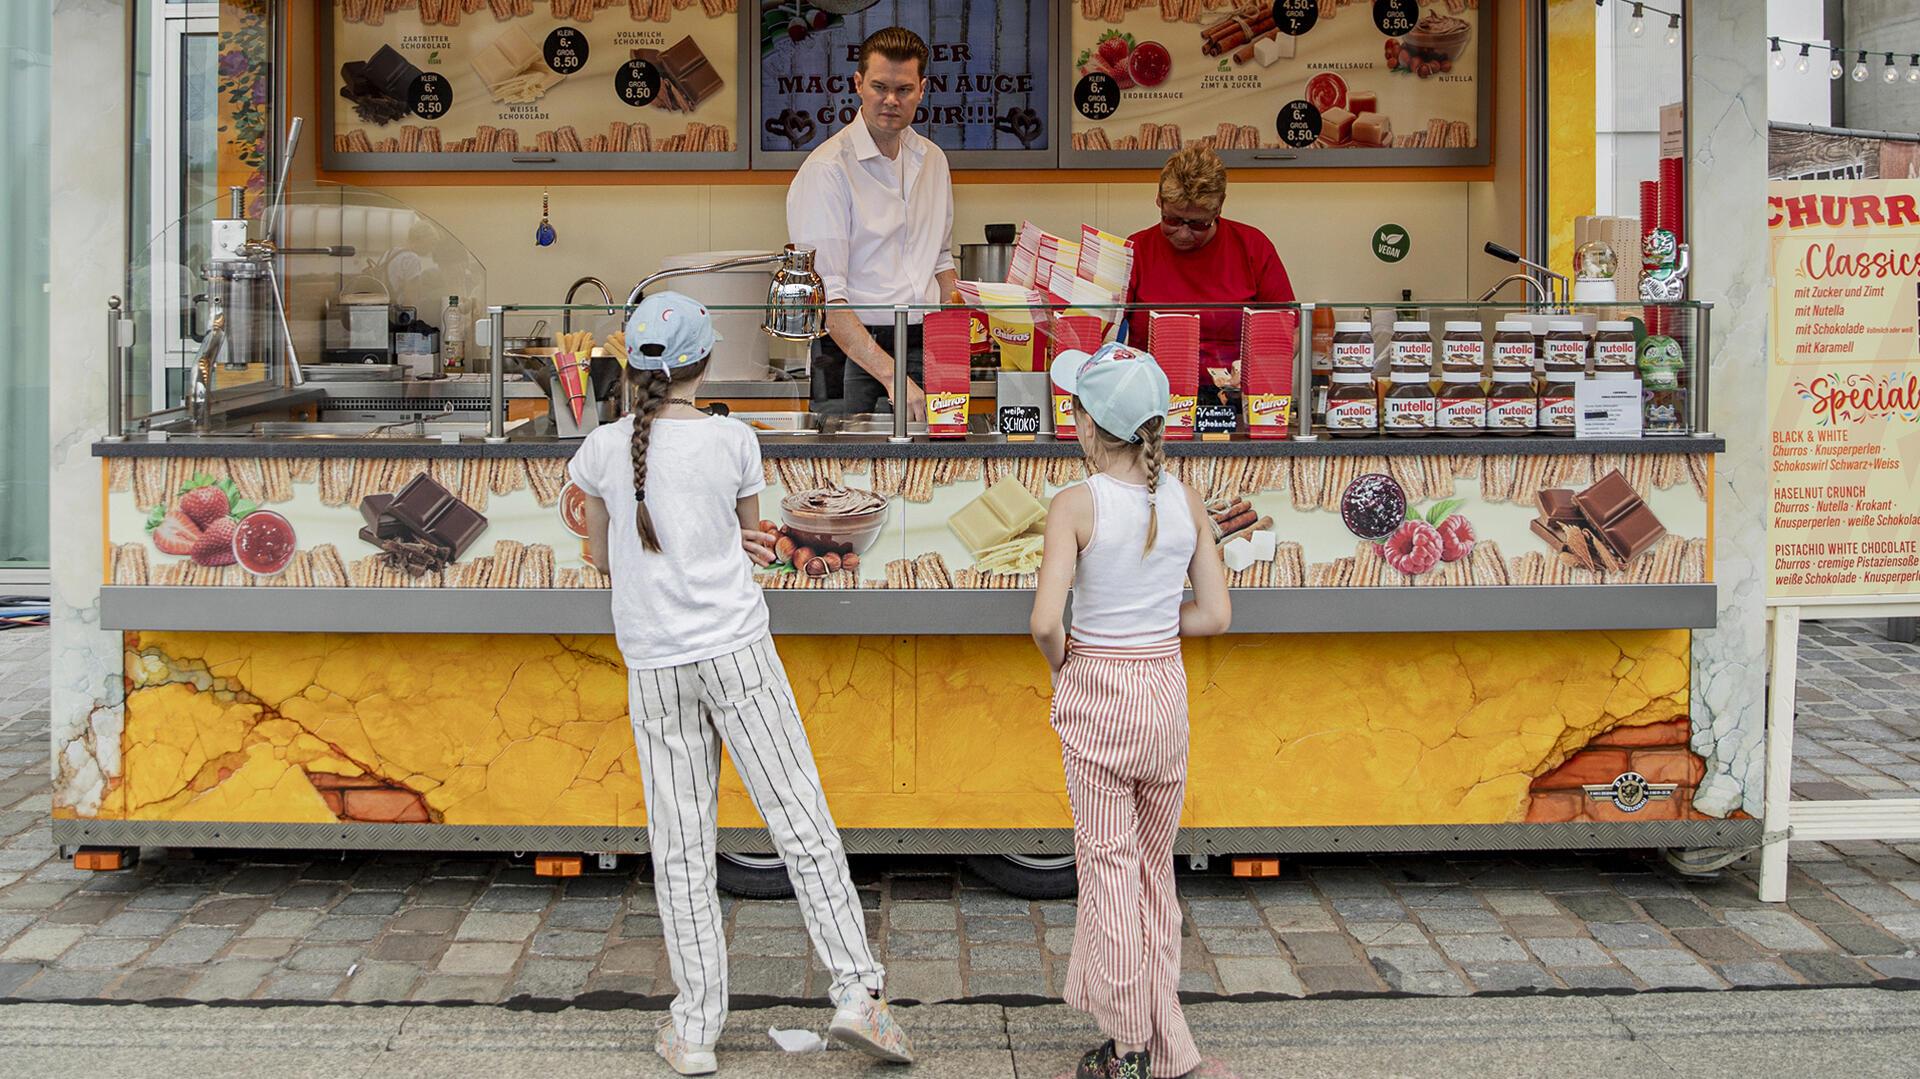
{"x":687,"y":78}
{"x":1619,"y":517}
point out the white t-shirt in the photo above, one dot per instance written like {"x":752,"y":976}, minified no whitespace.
{"x":695,"y":598}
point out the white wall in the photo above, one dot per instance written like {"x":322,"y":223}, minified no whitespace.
{"x":1793,"y":96}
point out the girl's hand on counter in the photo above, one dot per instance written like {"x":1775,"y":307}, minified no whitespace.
{"x":758,"y":545}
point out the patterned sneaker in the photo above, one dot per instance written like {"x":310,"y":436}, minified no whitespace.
{"x":1104,"y":1063}
{"x":864,"y":1022}
{"x":681,"y":1055}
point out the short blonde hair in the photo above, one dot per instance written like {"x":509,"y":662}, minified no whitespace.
{"x":1194,"y":176}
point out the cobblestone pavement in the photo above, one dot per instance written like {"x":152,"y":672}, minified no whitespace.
{"x":1857,"y":724}
{"x":311,"y":927}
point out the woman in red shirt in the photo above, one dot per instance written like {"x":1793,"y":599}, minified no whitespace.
{"x":1196,"y":256}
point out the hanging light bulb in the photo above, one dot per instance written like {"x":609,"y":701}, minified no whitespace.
{"x":1673,"y":29}
{"x":1835,"y":69}
{"x":1913,"y":68}
{"x":1779,"y":58}
{"x":1638,"y":25}
{"x":1800,"y":65}
{"x":1860,"y":67}
{"x":1889,"y":74}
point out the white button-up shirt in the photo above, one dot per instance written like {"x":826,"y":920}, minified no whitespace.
{"x":883,"y":229}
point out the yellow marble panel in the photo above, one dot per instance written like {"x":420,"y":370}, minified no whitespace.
{"x":924,"y":732}
{"x":1572,"y":142}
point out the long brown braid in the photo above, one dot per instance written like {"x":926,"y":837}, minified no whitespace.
{"x":656,"y":391}
{"x":1153,"y":454}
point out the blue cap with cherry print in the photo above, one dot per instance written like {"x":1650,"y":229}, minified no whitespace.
{"x":1121,"y":387}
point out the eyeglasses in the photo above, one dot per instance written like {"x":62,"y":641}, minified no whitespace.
{"x":1190,"y":225}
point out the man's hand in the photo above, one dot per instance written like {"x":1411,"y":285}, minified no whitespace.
{"x":758,"y":545}
{"x":916,"y":402}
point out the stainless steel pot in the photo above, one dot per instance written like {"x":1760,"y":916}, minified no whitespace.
{"x":985,"y":262}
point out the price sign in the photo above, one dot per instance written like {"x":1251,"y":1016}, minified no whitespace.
{"x":637,"y":82}
{"x":1295,"y":17}
{"x":1096,"y":96}
{"x":565,"y":50}
{"x":430,"y":96}
{"x":1395,"y":17}
{"x":1019,"y":423}
{"x":1298,"y":123}
{"x":1215,"y":422}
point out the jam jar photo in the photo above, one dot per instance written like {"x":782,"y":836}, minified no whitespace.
{"x":1353,"y":346}
{"x":1513,"y":347}
{"x":1615,"y":349}
{"x":1461,"y":408}
{"x":1512,"y":408}
{"x":1353,"y":410}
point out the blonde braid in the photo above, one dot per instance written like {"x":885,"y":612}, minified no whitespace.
{"x":655,"y":388}
{"x":1153,"y":453}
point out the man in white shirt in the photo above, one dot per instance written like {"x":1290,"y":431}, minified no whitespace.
{"x":876,"y":201}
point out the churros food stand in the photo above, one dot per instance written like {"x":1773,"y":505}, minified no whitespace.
{"x":356,"y":639}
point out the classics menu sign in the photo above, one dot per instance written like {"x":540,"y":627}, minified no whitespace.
{"x":1844,"y":385}
{"x":986,"y":82}
{"x":1307,"y":81}
{"x":426,"y":84}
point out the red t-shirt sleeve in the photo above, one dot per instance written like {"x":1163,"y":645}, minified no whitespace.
{"x":1271,"y":284}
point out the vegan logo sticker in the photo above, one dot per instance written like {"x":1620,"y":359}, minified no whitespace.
{"x":1391,"y":243}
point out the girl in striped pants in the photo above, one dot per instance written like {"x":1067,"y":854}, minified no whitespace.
{"x":673,"y":497}
{"x":1125,"y":542}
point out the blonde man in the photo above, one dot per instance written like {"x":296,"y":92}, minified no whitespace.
{"x":1194,"y":255}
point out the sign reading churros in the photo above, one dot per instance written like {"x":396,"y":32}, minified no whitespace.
{"x":1313,"y":82}
{"x":443,"y":80}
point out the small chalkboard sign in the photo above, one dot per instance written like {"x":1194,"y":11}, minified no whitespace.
{"x":1215,"y":423}
{"x":1019,"y":423}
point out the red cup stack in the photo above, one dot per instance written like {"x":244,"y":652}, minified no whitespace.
{"x":1174,"y":340}
{"x":1268,"y":341}
{"x":949,"y":384}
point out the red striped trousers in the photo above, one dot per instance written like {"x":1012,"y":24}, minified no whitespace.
{"x":1121,"y":714}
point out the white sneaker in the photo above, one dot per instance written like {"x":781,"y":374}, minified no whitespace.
{"x":681,"y":1055}
{"x":863,"y":1022}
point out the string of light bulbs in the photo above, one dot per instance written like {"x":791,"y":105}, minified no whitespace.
{"x":1637,"y":26}
{"x":1836,"y":51}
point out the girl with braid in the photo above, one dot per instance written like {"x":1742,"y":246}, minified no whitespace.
{"x":673,"y":512}
{"x":1126,"y":542}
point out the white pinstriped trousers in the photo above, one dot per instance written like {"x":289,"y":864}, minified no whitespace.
{"x":1121,"y":714}
{"x":680,"y":717}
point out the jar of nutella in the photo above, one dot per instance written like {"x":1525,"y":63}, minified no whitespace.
{"x":1408,"y":406}
{"x":1616,"y":352}
{"x":1512,"y":408}
{"x":1556,"y":394}
{"x":1461,"y":408}
{"x":1513,"y":347}
{"x":1566,"y":344}
{"x":1353,"y":346}
{"x":1412,"y":346}
{"x":1463,"y":343}
{"x":1352,"y":409}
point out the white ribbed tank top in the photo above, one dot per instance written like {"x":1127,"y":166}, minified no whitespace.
{"x":1122,"y":596}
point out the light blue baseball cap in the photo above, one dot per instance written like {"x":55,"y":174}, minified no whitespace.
{"x":669,"y":330}
{"x":1119,"y":386}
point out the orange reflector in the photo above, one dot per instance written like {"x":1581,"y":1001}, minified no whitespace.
{"x":1256,"y":867}
{"x":99,"y":859}
{"x":556,"y":865}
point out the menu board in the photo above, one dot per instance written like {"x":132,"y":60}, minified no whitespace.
{"x":460,"y":84}
{"x":1844,"y":383}
{"x":987,"y":98}
{"x":1305,"y":82}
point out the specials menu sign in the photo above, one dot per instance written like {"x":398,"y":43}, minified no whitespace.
{"x":1843,"y":381}
{"x":986,"y":100}
{"x":1302,"y":82}
{"x":465,"y":84}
